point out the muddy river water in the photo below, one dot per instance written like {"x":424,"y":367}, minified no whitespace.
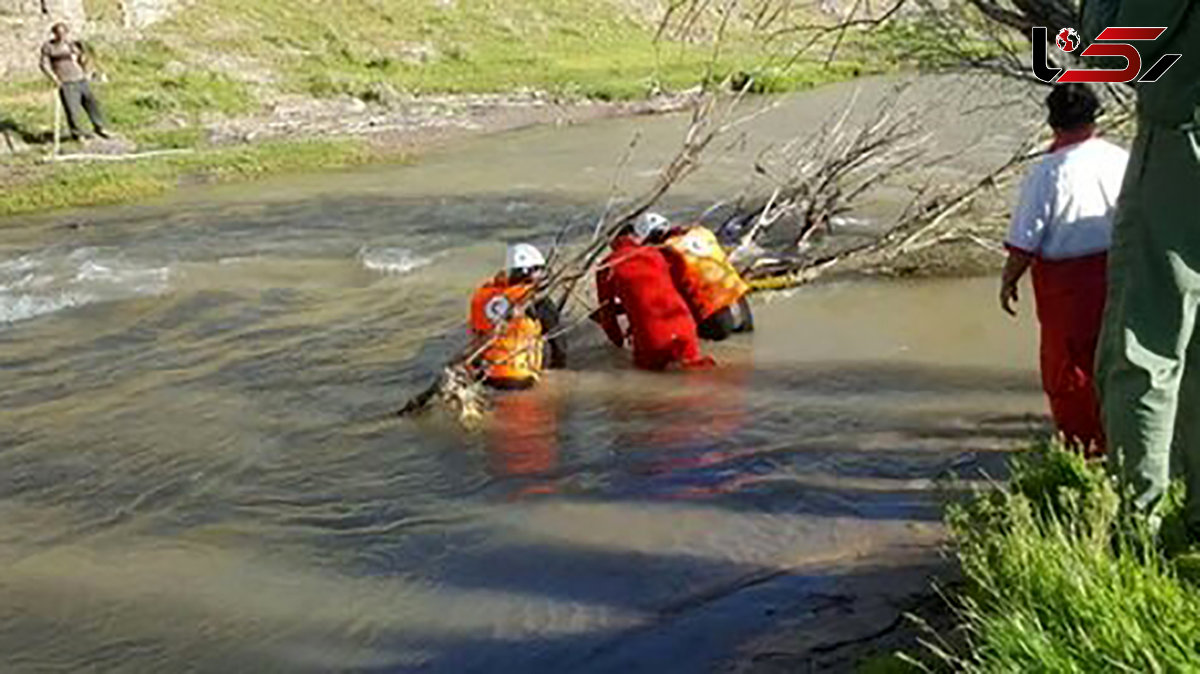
{"x":197,"y":472}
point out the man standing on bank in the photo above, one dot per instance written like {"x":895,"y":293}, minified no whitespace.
{"x":65,"y":62}
{"x":1149,"y":357}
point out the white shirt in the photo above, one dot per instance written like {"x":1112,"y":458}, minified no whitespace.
{"x":1067,"y":202}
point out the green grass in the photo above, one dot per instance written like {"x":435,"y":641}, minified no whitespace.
{"x":588,"y":48}
{"x":149,"y":81}
{"x":1059,"y":581}
{"x":43,"y":188}
{"x":218,"y":59}
{"x":103,"y":11}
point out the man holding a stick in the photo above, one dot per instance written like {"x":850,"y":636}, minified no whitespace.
{"x":65,"y":62}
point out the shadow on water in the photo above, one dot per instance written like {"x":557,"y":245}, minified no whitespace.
{"x":628,"y":541}
{"x":281,"y":627}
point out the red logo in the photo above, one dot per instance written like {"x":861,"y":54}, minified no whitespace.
{"x":1110,"y":42}
{"x":1068,"y":40}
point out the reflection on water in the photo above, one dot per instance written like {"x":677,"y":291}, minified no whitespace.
{"x":522,"y":441}
{"x":197,"y":472}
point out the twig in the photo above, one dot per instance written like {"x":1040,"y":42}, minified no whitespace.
{"x":57,"y":123}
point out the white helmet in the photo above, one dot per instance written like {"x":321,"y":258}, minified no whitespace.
{"x":649,"y":224}
{"x":523,"y":257}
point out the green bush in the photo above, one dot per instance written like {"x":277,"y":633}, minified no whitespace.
{"x":1052,"y":585}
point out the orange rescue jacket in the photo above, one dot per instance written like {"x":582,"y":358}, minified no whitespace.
{"x":703,"y":273}
{"x":512,"y":342}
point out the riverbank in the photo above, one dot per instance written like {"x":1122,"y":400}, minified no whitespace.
{"x":300,"y":136}
{"x":236,"y":84}
{"x":1050,"y":576}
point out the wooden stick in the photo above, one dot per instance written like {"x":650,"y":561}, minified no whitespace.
{"x":57,"y":121}
{"x":123,"y":157}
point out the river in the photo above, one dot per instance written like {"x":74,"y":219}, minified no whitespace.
{"x":198,"y":471}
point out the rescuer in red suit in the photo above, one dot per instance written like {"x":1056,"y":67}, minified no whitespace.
{"x":636,"y":280}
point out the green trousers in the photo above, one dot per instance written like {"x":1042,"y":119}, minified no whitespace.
{"x":1149,"y":354}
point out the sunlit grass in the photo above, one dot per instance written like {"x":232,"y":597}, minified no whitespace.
{"x":62,"y":186}
{"x":1058,"y":580}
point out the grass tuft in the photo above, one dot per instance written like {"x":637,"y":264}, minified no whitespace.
{"x":1059,"y":581}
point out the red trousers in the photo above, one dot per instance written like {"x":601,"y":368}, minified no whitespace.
{"x":1070,"y":307}
{"x":679,"y":349}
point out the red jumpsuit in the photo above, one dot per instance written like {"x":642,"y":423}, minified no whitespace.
{"x":636,"y":279}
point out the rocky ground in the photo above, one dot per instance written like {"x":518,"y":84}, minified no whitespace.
{"x":418,"y":122}
{"x":403,"y":122}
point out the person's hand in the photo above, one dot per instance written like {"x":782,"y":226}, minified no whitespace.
{"x":1009,"y":296}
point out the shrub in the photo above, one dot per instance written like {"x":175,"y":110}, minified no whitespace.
{"x":1051,"y":587}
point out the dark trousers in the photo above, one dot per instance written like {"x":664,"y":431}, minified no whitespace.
{"x":77,"y":97}
{"x":724,"y":323}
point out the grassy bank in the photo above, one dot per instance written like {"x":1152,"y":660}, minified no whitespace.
{"x":1058,"y":581}
{"x":170,"y":85}
{"x":40,"y":187}
{"x":220,"y":58}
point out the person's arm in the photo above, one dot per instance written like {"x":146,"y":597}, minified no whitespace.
{"x":1015,"y":266}
{"x":1030,"y":221}
{"x":546,"y":313}
{"x":606,"y":315}
{"x":47,"y":65}
{"x":84,"y":58}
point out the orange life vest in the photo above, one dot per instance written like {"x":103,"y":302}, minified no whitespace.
{"x":512,"y":341}
{"x":707,"y":280}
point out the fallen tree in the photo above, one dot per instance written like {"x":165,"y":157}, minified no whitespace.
{"x":713,"y":115}
{"x":803,"y":190}
{"x":808,"y":187}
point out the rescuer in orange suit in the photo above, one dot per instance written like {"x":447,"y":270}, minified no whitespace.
{"x":512,"y":331}
{"x":635,"y":279}
{"x":712,"y":287}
